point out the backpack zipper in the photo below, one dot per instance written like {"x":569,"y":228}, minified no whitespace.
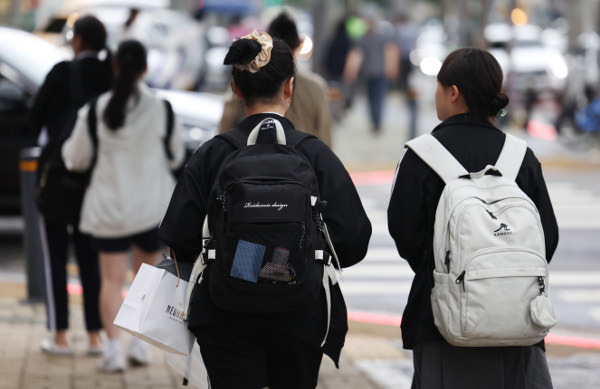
{"x":461,"y":277}
{"x":260,"y":180}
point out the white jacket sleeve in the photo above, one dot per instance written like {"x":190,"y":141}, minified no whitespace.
{"x":77,"y":151}
{"x":176,"y":145}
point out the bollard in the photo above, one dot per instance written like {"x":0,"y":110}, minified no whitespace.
{"x":32,"y":239}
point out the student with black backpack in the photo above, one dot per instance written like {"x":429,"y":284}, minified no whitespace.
{"x":139,"y":144}
{"x":267,"y":305}
{"x":66,"y":88}
{"x":472,"y":316}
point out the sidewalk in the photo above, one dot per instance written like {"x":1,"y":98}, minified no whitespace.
{"x":24,"y":366}
{"x":373,"y":357}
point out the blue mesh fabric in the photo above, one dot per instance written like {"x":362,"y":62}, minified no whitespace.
{"x":247,"y":261}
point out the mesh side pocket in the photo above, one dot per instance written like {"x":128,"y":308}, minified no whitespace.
{"x":278,"y":269}
{"x":280,"y":256}
{"x":247,"y":261}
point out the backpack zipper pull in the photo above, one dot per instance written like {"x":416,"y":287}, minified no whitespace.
{"x":542,"y":285}
{"x":460,"y":279}
{"x":492,"y":215}
{"x":447,"y":261}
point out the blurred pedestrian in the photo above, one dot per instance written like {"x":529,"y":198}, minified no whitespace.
{"x":66,"y":88}
{"x":309,"y":110}
{"x":467,"y":97}
{"x":375,"y":57}
{"x":338,"y":48}
{"x":406,"y":40}
{"x":335,"y":62}
{"x":130,"y":186}
{"x":278,"y":350}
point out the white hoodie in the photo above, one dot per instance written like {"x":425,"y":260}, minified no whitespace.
{"x":131,"y":183}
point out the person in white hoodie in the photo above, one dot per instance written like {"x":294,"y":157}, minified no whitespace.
{"x":130,"y":186}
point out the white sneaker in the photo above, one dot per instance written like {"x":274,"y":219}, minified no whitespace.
{"x":95,"y":351}
{"x":138,"y":354}
{"x":50,"y":347}
{"x":114,"y":363}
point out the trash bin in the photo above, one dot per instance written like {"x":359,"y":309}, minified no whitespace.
{"x":32,"y":239}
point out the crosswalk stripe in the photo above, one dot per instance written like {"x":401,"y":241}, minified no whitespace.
{"x":375,"y":288}
{"x":574,"y":278}
{"x":380,"y":271}
{"x":575,"y":207}
{"x":579,"y":295}
{"x":594,"y":313}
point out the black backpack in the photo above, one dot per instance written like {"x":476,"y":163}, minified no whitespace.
{"x":60,"y":192}
{"x":266,"y":250}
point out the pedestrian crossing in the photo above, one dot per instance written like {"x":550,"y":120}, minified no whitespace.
{"x":383,"y":277}
{"x":575,"y":207}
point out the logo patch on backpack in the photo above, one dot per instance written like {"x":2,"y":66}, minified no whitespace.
{"x":503,"y":230}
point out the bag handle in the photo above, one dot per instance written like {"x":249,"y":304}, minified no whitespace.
{"x":278,"y":128}
{"x":164,"y":255}
{"x":483,"y":172}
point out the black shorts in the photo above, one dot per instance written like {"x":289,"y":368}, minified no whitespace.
{"x":147,"y":241}
{"x":238,"y":356}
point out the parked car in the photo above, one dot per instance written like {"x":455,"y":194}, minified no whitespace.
{"x":528,"y":64}
{"x":25,"y":59}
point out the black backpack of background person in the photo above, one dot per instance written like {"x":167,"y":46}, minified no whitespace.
{"x":60,"y":192}
{"x":266,"y":251}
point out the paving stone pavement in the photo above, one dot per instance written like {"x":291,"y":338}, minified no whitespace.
{"x":24,"y":366}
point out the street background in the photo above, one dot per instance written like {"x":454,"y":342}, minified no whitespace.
{"x":377,"y":288}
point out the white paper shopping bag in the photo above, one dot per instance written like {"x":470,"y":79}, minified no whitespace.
{"x":153,"y":310}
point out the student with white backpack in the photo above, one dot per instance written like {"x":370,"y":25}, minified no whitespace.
{"x":471,"y":214}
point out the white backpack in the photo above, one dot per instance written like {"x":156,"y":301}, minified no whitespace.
{"x":491,"y":275}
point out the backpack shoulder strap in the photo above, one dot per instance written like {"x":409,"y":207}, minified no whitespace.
{"x":75,"y":84}
{"x":434,"y":154}
{"x":170,"y":123}
{"x":92,"y":124}
{"x":235,"y":136}
{"x":294,"y":138}
{"x":511,"y":157}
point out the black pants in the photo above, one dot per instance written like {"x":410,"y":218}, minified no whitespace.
{"x":239,"y":356}
{"x":55,"y":262}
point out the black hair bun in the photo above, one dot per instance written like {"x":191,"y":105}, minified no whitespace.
{"x":242,"y":52}
{"x":500,"y":101}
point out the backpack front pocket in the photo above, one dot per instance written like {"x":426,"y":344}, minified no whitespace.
{"x":265,"y":252}
{"x":497,"y":287}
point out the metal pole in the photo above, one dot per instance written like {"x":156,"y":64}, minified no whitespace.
{"x":32,"y":240}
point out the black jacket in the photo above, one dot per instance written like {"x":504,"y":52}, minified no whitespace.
{"x":475,"y":143}
{"x":54,"y":101}
{"x":346,"y":219}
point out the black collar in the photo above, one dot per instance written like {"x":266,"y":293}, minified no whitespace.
{"x":252,"y":121}
{"x":465,"y":118}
